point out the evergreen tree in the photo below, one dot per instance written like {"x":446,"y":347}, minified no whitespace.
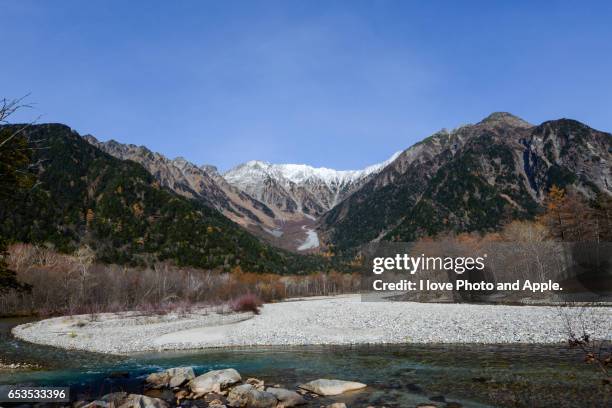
{"x":15,"y":157}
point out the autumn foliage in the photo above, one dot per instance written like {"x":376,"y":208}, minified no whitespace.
{"x":75,"y":284}
{"x":246,"y":303}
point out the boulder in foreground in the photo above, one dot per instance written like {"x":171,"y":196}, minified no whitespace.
{"x":172,"y":377}
{"x":246,"y":395}
{"x":115,"y":399}
{"x":142,"y":401}
{"x":286,"y":398}
{"x":214,"y":380}
{"x":324,"y":386}
{"x":124,"y":400}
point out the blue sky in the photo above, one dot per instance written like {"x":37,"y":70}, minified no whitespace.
{"x":337,"y":83}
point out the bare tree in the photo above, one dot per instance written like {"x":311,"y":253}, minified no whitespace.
{"x":7,"y":108}
{"x":580,"y":323}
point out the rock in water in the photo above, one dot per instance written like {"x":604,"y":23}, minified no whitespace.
{"x":180,"y":376}
{"x":247,"y":396}
{"x":255,"y":382}
{"x":181,"y":395}
{"x":337,"y":405}
{"x":113,"y":399}
{"x":95,"y":404}
{"x":214,"y":380}
{"x":286,"y":398}
{"x":213,"y":398}
{"x":124,"y":400}
{"x":172,"y":377}
{"x":324,"y":386}
{"x":216,"y":404}
{"x":141,"y":401}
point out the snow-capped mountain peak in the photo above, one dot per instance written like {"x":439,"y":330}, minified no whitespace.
{"x":299,"y":187}
{"x":300,"y":173}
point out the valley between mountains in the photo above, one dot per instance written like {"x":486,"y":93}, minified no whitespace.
{"x":280,"y":203}
{"x":474,"y":178}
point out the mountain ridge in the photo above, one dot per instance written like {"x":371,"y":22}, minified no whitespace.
{"x":474,"y":178}
{"x":190,"y":180}
{"x":299,"y":187}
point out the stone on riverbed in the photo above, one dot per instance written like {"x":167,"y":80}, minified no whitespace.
{"x":286,"y":398}
{"x":214,"y":381}
{"x":212,"y":398}
{"x":141,"y":401}
{"x":181,"y":395}
{"x":255,"y":382}
{"x":125,"y":400}
{"x":246,"y":395}
{"x":216,"y":404}
{"x":114,"y":399}
{"x":324,"y":386}
{"x":172,"y":377}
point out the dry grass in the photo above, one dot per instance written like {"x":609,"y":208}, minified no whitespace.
{"x":64,"y":284}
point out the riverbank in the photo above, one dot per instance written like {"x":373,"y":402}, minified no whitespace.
{"x":338,"y":320}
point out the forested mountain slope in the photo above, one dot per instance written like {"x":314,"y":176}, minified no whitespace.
{"x":203,"y":183}
{"x":85,"y":196}
{"x":474,"y":178}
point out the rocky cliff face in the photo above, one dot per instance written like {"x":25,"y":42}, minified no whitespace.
{"x":202,"y":183}
{"x":474,"y":178}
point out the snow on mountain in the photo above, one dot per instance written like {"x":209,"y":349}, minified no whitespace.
{"x":279,"y":202}
{"x":298,"y":187}
{"x":300,"y":173}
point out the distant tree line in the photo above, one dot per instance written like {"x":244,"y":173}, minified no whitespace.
{"x":75,"y":284}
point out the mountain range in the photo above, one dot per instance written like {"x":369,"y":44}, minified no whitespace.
{"x":84,"y":197}
{"x":477,"y":177}
{"x":278,"y":202}
{"x":474,"y":178}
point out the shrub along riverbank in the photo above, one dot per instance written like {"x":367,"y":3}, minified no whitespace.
{"x":74,"y":284}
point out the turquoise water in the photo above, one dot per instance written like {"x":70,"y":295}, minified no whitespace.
{"x":398,"y":376}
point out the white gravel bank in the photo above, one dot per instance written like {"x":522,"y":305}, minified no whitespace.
{"x":117,"y":333}
{"x":337,"y":320}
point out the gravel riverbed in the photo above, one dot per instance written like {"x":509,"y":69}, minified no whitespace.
{"x":332,"y":320}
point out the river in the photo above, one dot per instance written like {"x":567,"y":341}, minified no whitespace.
{"x":398,"y":376}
